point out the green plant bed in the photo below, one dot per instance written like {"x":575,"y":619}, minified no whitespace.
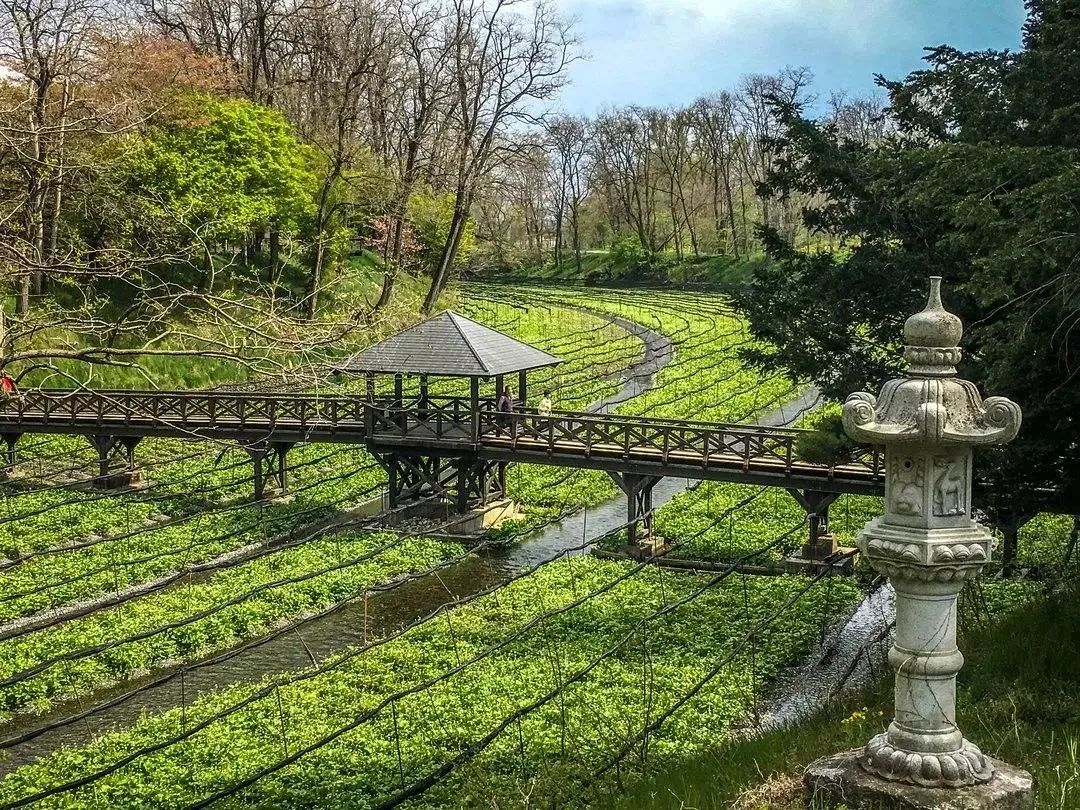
{"x":199,"y":635}
{"x":689,"y":523}
{"x":550,"y":754}
{"x":1016,"y":701}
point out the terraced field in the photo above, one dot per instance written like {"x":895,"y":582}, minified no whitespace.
{"x":560,"y":678}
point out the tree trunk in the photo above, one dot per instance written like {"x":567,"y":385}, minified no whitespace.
{"x":558,"y":238}
{"x":208,"y":271}
{"x":731,"y":216}
{"x":22,"y":303}
{"x":275,"y":251}
{"x":442,"y":273}
{"x":717,"y":223}
{"x":315,"y":280}
{"x":576,"y":236}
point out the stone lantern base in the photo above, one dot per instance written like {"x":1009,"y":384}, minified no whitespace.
{"x":839,"y":781}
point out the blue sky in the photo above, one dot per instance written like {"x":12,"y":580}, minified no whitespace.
{"x":668,"y":52}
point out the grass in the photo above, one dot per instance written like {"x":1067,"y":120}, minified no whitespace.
{"x":1017,"y":701}
{"x":353,"y":288}
{"x":601,"y":266}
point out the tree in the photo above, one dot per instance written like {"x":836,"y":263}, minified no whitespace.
{"x":417,"y":107}
{"x":504,"y":63}
{"x":979,"y":183}
{"x":44,"y":47}
{"x":215,"y":172}
{"x":570,"y":139}
{"x":719,"y":141}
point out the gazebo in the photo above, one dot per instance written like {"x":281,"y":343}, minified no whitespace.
{"x":450,"y":345}
{"x":430,"y":448}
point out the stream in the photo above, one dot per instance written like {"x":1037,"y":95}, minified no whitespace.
{"x":386,"y":611}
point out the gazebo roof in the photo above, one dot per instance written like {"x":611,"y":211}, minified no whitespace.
{"x":449,"y":345}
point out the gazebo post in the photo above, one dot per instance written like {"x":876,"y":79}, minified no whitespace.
{"x":423,"y":410}
{"x":474,"y":407}
{"x":399,"y":383}
{"x":523,"y":387}
{"x":369,"y":377}
{"x":499,"y":388}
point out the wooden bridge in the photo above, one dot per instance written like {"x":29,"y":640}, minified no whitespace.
{"x":440,"y":445}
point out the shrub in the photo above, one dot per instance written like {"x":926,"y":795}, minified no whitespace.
{"x":826,"y":443}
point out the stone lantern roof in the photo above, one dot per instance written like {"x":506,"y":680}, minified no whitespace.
{"x":930,"y":405}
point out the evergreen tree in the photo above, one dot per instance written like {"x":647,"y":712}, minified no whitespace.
{"x":979,"y":182}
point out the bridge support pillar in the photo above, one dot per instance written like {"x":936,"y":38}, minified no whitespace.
{"x":10,"y":440}
{"x":1010,"y":523}
{"x":639,"y":507}
{"x":117,"y":467}
{"x":820,"y":545}
{"x":270,"y":466}
{"x":461,"y":482}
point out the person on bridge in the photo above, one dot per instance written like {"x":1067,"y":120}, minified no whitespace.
{"x":504,"y":407}
{"x":8,"y":389}
{"x":545,"y":405}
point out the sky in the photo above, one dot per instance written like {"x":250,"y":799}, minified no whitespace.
{"x":668,"y":52}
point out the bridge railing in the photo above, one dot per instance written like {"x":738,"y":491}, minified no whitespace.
{"x":666,"y":440}
{"x":436,"y":418}
{"x":183,"y":409}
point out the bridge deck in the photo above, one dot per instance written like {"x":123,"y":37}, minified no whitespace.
{"x":449,"y":426}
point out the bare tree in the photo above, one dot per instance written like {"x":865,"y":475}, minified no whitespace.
{"x":861,"y":119}
{"x":44,"y":49}
{"x":418,"y":104}
{"x":503,"y":65}
{"x":569,"y":139}
{"x":718,"y":141}
{"x":756,"y":98}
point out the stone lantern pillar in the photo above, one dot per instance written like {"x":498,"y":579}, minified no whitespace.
{"x":927,"y":545}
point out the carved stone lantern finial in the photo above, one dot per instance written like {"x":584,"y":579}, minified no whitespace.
{"x":927,"y":543}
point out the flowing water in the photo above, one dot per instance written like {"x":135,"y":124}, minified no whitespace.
{"x":384,"y":611}
{"x":854,"y":650}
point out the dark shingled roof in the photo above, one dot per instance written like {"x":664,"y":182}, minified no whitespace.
{"x":449,"y":345}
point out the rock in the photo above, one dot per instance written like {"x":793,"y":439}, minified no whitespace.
{"x":839,"y":781}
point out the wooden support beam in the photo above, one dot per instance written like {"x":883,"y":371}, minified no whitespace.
{"x":10,"y":440}
{"x":474,"y":408}
{"x":281,"y":465}
{"x":1010,"y":523}
{"x":819,"y":542}
{"x":639,"y":504}
{"x":116,"y":460}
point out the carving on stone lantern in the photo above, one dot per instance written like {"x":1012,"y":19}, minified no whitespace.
{"x":927,"y":543}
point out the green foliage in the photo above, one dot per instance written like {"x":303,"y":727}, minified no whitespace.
{"x":979,"y":185}
{"x":627,"y":255}
{"x":827,"y":444}
{"x":429,"y":727}
{"x":1016,"y":700}
{"x":430,"y":214}
{"x":220,"y":168}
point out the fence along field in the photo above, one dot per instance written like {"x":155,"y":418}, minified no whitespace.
{"x":575,"y":673}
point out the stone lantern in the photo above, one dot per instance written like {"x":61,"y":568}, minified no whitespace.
{"x":927,"y":545}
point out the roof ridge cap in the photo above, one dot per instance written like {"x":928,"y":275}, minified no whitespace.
{"x":453,"y":316}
